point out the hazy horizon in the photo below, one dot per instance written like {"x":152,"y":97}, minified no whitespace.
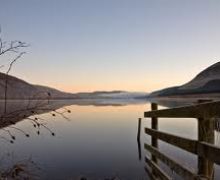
{"x":132,"y":45}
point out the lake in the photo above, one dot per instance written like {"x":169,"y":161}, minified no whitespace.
{"x":94,"y":140}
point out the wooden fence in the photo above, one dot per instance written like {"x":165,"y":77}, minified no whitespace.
{"x":208,"y":154}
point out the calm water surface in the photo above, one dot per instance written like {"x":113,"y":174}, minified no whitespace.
{"x":97,"y":142}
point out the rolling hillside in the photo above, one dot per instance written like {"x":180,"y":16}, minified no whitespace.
{"x":206,"y":82}
{"x":19,"y":89}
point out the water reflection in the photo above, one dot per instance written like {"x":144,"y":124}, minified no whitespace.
{"x":93,"y":133}
{"x":18,"y":111}
{"x":95,"y":142}
{"x":27,"y":110}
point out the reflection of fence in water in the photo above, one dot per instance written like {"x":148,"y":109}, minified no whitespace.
{"x":208,"y":154}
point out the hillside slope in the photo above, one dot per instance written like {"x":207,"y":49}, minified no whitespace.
{"x":206,"y":82}
{"x":19,"y":89}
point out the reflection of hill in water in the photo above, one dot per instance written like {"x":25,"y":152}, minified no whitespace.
{"x":21,"y":109}
{"x":105,"y":102}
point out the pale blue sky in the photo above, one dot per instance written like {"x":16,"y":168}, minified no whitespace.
{"x":86,"y":45}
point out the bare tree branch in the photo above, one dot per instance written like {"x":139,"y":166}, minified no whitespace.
{"x":14,"y":46}
{"x":14,"y":50}
{"x":6,"y":48}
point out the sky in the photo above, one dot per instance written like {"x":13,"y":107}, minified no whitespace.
{"x":135,"y":45}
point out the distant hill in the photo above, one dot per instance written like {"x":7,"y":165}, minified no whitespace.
{"x":206,"y":82}
{"x":19,"y":89}
{"x":112,"y":95}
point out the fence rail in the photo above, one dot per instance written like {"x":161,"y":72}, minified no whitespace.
{"x":210,"y":109}
{"x":172,"y":164}
{"x":207,"y":153}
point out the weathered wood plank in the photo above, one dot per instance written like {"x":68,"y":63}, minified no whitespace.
{"x":176,"y":167}
{"x":159,"y":172}
{"x":210,"y":109}
{"x":202,"y":149}
{"x":184,"y":143}
{"x":150,"y":174}
{"x":205,"y":134}
{"x":209,"y":151}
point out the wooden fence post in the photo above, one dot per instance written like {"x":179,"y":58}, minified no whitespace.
{"x":206,"y":133}
{"x":139,"y":130}
{"x":154,"y":125}
{"x":139,"y":139}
